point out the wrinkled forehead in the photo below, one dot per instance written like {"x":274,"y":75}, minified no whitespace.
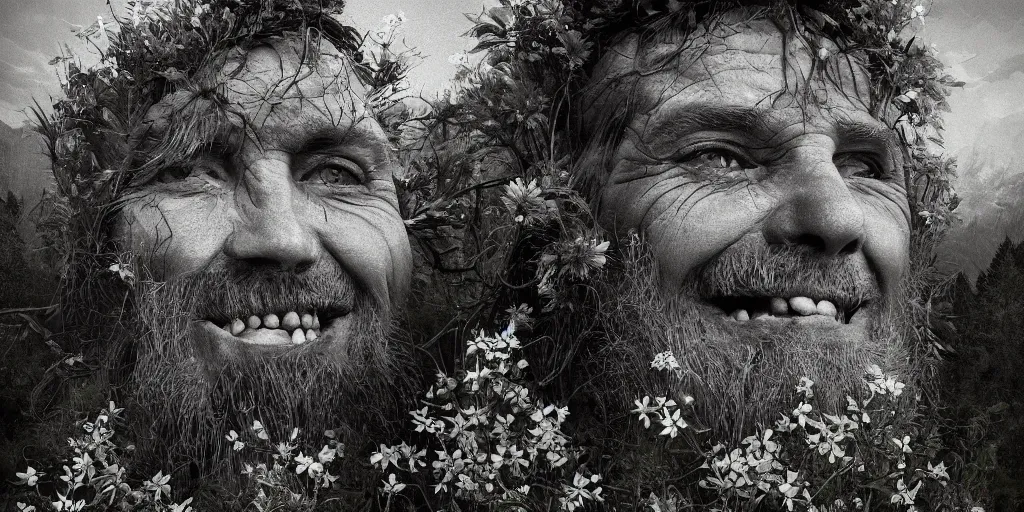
{"x":285,"y":69}
{"x":278,"y":89}
{"x":749,"y":62}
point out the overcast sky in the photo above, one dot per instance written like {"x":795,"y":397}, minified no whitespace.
{"x":33,"y":31}
{"x":982,"y":41}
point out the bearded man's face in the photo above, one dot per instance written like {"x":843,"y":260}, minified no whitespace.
{"x":772,"y":200}
{"x":277,"y":245}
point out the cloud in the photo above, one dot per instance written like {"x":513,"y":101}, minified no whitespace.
{"x":1006,"y":69}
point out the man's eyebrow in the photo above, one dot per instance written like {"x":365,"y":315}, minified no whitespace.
{"x":331,"y":137}
{"x":870,"y":132}
{"x":695,"y":117}
{"x":757,"y":123}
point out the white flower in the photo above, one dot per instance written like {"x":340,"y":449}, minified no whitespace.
{"x":904,"y":495}
{"x":643,"y":408}
{"x":30,"y":477}
{"x":459,"y":59}
{"x":903,"y":444}
{"x":663,"y":360}
{"x":260,"y":431}
{"x":305,"y":463}
{"x":673,"y":424}
{"x":938,"y":472}
{"x":392,"y":486}
{"x":805,"y":387}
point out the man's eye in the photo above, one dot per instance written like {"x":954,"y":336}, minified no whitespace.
{"x":337,"y":172}
{"x":855,"y":165}
{"x":172,"y":174}
{"x":178,"y":173}
{"x":718,"y":159}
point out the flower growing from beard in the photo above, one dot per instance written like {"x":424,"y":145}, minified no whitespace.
{"x":29,"y":477}
{"x":804,"y":387}
{"x":491,"y":440}
{"x":665,"y":361}
{"x":881,"y":384}
{"x":571,"y":261}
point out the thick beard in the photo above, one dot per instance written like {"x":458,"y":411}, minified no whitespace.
{"x":742,"y":376}
{"x":184,"y":397}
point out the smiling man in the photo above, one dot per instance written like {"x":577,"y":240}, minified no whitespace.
{"x":278,"y":237}
{"x":749,"y":155}
{"x":250,"y":190}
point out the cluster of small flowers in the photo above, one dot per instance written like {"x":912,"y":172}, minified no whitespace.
{"x":272,"y":481}
{"x":763,"y":467}
{"x":492,"y":441}
{"x":665,"y":361}
{"x":880,"y":384}
{"x":391,"y":24}
{"x":663,"y":411}
{"x":95,"y":479}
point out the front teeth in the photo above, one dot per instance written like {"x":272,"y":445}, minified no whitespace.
{"x":741,"y":315}
{"x":302,"y":328}
{"x":271,"y":321}
{"x":290,"y":321}
{"x":779,"y":306}
{"x":803,"y":306}
{"x":795,"y":306}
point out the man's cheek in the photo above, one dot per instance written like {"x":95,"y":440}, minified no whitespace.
{"x":174,"y":236}
{"x":887,"y":231}
{"x":690,"y":222}
{"x":369,"y":241}
{"x":886,"y":247}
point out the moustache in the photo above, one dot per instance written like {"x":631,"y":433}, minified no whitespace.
{"x":224,"y":290}
{"x":759,"y":270}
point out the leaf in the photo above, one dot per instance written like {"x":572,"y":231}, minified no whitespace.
{"x":909,"y":44}
{"x":998,"y":408}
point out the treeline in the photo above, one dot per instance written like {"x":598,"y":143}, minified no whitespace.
{"x":982,"y":378}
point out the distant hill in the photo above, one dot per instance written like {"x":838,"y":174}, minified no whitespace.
{"x":24,"y":169}
{"x":992,"y":187}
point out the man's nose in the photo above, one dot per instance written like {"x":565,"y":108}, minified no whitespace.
{"x":271,"y":229}
{"x":818,"y":212}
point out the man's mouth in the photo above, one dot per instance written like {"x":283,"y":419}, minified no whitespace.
{"x":743,"y":309}
{"x":283,"y":328}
